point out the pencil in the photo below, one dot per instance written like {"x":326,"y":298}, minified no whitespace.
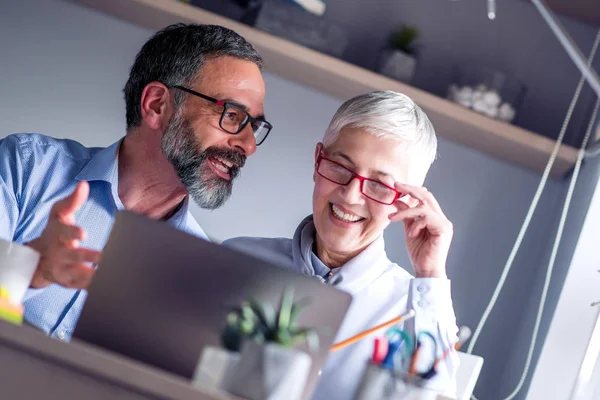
{"x":464,"y":334}
{"x":366,"y":333}
{"x":412,"y":369}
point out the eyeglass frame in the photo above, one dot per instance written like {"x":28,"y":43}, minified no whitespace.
{"x":360,"y":178}
{"x":226,"y":106}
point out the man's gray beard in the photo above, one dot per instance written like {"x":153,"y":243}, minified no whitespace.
{"x":182,"y":149}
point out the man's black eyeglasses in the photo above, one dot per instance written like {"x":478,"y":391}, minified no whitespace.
{"x":234,"y":118}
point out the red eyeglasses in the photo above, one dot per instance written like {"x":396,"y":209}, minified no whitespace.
{"x":372,"y":189}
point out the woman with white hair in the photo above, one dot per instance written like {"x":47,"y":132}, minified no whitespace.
{"x":368,"y":172}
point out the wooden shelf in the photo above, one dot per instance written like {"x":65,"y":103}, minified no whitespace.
{"x":343,"y":80}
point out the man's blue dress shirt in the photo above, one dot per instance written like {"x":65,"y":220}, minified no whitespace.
{"x":35,"y":172}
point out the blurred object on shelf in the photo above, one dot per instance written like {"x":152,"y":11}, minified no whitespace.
{"x":487,"y":91}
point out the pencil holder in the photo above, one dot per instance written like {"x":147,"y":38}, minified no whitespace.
{"x":380,"y":383}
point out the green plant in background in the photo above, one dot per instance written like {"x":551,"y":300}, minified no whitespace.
{"x":251,"y":321}
{"x":404,"y":39}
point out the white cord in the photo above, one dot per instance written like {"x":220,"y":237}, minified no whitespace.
{"x":526,"y":223}
{"x":569,"y":45}
{"x":561,"y":225}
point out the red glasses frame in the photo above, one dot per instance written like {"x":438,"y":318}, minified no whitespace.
{"x":360,"y":178}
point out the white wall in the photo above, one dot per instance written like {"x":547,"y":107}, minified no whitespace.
{"x":574,"y":319}
{"x":62,"y":68}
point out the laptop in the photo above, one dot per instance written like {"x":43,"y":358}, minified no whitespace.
{"x":160,"y":295}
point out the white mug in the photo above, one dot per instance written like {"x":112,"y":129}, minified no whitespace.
{"x":17,"y":266}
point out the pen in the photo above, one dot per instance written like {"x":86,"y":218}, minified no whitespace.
{"x":464,"y":333}
{"x":362,"y":335}
{"x":388,"y":361}
{"x":380,"y":350}
{"x":412,"y":369}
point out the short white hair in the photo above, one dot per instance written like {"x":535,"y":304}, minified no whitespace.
{"x":390,"y":115}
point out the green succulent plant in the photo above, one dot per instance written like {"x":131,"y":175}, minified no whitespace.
{"x":405,"y":38}
{"x":253,"y":321}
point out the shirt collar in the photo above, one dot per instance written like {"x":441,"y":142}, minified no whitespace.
{"x":353,"y":276}
{"x":320,"y":268}
{"x":185,"y":221}
{"x":363,"y":269}
{"x":103,"y":166}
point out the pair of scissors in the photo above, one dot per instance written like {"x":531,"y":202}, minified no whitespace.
{"x":397,"y":338}
{"x":416,"y":353}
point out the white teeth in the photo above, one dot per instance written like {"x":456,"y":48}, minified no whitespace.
{"x":344,"y":216}
{"x":226,"y":162}
{"x":220,"y":167}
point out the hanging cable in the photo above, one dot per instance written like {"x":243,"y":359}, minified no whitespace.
{"x":527,"y":221}
{"x":569,"y":45}
{"x":563,"y":218}
{"x":491,"y":6}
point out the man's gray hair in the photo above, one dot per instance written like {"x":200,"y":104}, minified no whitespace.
{"x":390,"y":115}
{"x":175,"y":56}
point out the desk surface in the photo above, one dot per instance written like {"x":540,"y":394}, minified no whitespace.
{"x":37,"y":365}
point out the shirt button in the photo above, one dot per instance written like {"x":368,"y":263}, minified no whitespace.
{"x":320,"y":372}
{"x":423,"y":303}
{"x":62,"y":335}
{"x":423,"y":288}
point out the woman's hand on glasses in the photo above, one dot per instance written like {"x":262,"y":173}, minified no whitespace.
{"x":427,"y":231}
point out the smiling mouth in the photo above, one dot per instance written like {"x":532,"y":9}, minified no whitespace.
{"x":221,"y":166}
{"x":343,"y":215}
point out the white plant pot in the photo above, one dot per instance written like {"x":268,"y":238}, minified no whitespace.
{"x":269,"y":372}
{"x":398,"y":65}
{"x":214,"y":368}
